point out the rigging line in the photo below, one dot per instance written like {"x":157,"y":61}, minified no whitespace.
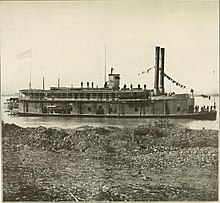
{"x":215,"y":123}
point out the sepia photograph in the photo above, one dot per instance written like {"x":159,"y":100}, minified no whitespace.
{"x":109,"y":100}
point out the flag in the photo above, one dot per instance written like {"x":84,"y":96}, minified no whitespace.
{"x":25,"y":54}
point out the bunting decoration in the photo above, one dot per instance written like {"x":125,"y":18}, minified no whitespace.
{"x":147,"y":71}
{"x":173,"y":81}
{"x":165,"y":75}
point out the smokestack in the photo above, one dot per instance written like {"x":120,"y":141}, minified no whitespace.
{"x":162,"y":71}
{"x":156,"y":79}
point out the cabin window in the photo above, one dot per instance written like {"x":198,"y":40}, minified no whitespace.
{"x":87,"y":95}
{"x":120,"y":94}
{"x":93,"y":95}
{"x":107,"y":95}
{"x":124,"y":95}
{"x":110,"y":110}
{"x":58,"y":95}
{"x":136,"y":109}
{"x":52,"y":95}
{"x":89,"y":109}
{"x":75,"y":95}
{"x":64,"y":95}
{"x":178,"y":108}
{"x":100,"y":95}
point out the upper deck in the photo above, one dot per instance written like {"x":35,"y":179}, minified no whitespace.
{"x":83,"y":94}
{"x":97,"y":94}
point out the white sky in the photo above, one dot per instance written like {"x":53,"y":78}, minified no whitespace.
{"x":68,"y":40}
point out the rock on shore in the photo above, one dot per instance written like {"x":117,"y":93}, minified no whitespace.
{"x":159,"y":161}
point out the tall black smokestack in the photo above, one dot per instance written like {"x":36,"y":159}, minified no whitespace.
{"x":156,"y":79}
{"x":162,"y":71}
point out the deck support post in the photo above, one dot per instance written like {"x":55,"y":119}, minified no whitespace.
{"x":105,"y":107}
{"x":76,"y":108}
{"x":140,"y":108}
{"x":118,"y":108}
{"x":164,"y":107}
{"x":153,"y":107}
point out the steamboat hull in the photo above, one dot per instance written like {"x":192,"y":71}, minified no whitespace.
{"x":195,"y":116}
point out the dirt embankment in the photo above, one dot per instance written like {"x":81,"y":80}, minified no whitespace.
{"x":158,"y":161}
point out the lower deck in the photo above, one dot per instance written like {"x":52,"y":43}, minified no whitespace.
{"x":108,"y":107}
{"x":166,"y":107}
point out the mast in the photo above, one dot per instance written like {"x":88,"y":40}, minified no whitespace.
{"x":214,"y":87}
{"x":43,"y":84}
{"x":105,"y":66}
{"x":30,"y":77}
{"x":58,"y":83}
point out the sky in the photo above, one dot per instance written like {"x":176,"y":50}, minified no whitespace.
{"x":68,"y":41}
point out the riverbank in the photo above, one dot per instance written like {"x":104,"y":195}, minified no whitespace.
{"x":158,"y":161}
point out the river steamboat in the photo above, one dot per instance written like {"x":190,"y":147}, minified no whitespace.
{"x":113,"y":101}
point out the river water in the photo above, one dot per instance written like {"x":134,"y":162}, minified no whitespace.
{"x":73,"y":122}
